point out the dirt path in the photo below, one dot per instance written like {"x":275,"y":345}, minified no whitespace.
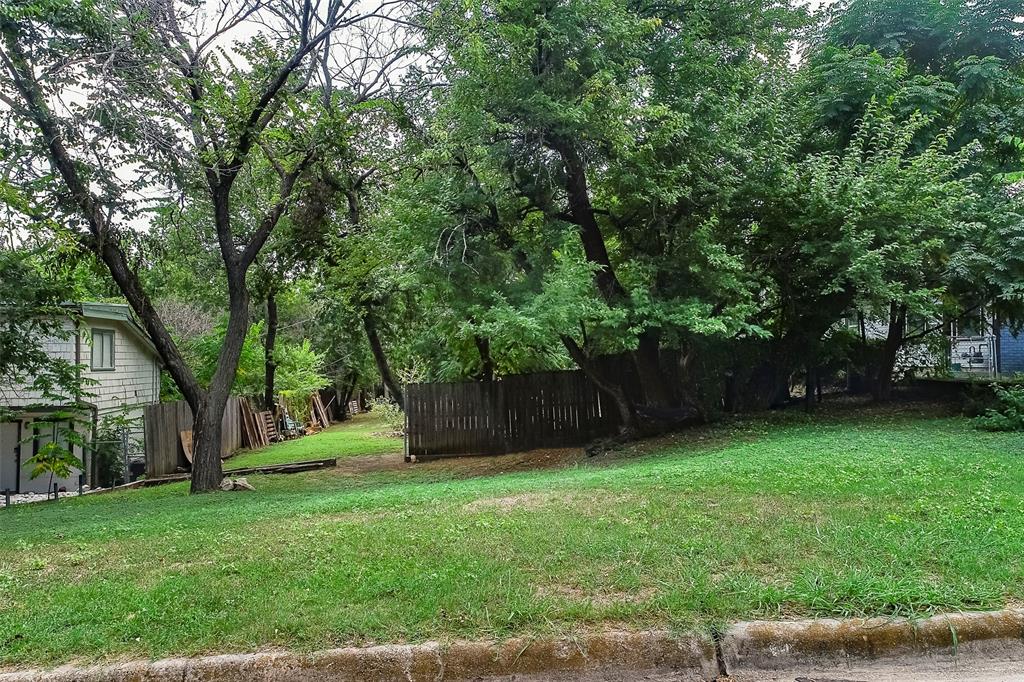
{"x":463,"y":467}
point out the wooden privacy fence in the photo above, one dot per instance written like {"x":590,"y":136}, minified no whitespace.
{"x":520,"y":412}
{"x":164,"y":423}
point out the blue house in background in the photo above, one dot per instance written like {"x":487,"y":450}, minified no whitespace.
{"x":987,"y":348}
{"x":1009,"y":350}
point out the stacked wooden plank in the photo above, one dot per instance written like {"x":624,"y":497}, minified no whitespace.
{"x":266,"y":423}
{"x":254,"y":430}
{"x":318,"y":416}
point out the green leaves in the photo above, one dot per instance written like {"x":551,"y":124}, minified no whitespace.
{"x":299,"y":367}
{"x":52,"y":459}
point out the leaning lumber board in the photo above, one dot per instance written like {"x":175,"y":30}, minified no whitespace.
{"x":288,"y":468}
{"x":187,"y":444}
{"x":323,"y":410}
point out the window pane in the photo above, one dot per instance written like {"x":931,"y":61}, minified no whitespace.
{"x":96,"y":353}
{"x":102,"y":349}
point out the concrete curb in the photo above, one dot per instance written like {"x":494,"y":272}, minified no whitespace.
{"x":598,"y":656}
{"x":744,"y":649}
{"x":936,"y":643}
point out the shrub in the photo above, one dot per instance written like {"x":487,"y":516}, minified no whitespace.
{"x":108,"y":453}
{"x":53,"y":459}
{"x":390,"y":412}
{"x":1008,"y":412}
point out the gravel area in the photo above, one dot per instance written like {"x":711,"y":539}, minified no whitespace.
{"x":28,"y":498}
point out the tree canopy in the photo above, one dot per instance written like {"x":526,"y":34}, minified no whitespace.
{"x":716,"y":197}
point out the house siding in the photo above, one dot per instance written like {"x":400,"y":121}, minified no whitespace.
{"x":61,"y":348}
{"x":132,"y":384}
{"x":1011,"y":351}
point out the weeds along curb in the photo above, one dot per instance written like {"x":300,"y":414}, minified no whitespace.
{"x":744,"y":648}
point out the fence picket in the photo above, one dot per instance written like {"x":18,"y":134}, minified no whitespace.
{"x":514,"y":413}
{"x":164,"y":422}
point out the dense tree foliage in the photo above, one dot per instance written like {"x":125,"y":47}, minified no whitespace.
{"x":698,"y":204}
{"x":119,"y":98}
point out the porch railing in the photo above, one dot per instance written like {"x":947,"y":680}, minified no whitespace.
{"x":974,"y":355}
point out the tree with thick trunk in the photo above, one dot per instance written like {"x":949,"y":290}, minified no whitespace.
{"x":269,"y":364}
{"x":211,"y":134}
{"x":894,"y":339}
{"x":647,"y":356}
{"x":380,"y":357}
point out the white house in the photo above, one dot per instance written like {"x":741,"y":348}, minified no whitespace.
{"x":113,"y":352}
{"x":980,"y":345}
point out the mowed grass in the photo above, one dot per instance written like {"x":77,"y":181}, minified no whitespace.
{"x":886,"y":513}
{"x":359,"y":435}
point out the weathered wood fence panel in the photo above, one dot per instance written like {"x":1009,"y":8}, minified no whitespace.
{"x":164,"y":423}
{"x":521,"y":412}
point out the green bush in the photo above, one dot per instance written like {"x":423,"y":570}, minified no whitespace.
{"x":1008,"y":412}
{"x":107,"y":452}
{"x":53,"y":459}
{"x":299,"y":367}
{"x":391,"y":414}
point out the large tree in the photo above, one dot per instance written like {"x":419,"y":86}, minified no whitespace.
{"x":118,"y":97}
{"x":618,"y":124}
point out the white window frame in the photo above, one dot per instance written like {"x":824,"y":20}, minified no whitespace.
{"x":101,"y":366}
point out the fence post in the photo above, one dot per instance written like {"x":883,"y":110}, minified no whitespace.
{"x":405,"y":417}
{"x":81,"y":482}
{"x":7,"y":497}
{"x":124,"y":454}
{"x":56,"y":491}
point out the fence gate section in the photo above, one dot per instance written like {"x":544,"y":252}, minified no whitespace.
{"x":511,"y":414}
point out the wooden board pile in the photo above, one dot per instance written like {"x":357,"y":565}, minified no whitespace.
{"x":258,"y":428}
{"x":318,"y":416}
{"x":188,"y":446}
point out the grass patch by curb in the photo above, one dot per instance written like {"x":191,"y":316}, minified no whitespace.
{"x":882,"y":514}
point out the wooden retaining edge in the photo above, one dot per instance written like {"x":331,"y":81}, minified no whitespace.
{"x":744,"y":648}
{"x":288,"y":468}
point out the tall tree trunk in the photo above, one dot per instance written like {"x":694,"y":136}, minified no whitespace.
{"x":627,"y":412}
{"x":647,"y":357}
{"x":483,"y":346}
{"x":578,"y":195}
{"x":345,"y":394}
{"x":890,"y":351}
{"x":207,"y":471}
{"x":206,"y":438}
{"x":270,"y":365}
{"x":381,"y":359}
{"x":810,"y":385}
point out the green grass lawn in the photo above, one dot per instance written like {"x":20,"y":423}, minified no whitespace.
{"x":885,"y":513}
{"x":357,"y":436}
